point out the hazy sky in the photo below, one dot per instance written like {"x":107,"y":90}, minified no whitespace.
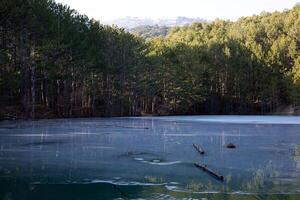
{"x":104,"y":10}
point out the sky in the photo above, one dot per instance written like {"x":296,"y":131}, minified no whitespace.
{"x":106,"y":10}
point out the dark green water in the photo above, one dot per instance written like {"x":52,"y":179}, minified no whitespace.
{"x":150,"y":158}
{"x":108,"y":191}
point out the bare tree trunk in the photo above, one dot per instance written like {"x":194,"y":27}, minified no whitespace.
{"x":33,"y":91}
{"x":24,"y":72}
{"x":153,"y":104}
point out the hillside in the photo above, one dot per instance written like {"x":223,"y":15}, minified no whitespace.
{"x":133,"y":22}
{"x":149,"y":32}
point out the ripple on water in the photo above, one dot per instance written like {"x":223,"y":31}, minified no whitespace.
{"x":162,"y":163}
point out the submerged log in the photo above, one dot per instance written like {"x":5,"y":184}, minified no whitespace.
{"x":230,"y":146}
{"x":209,"y":171}
{"x":198,"y":148}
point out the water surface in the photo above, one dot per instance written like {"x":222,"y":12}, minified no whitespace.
{"x":150,"y":158}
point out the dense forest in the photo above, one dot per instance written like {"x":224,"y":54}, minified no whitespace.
{"x":149,"y":32}
{"x":55,"y":62}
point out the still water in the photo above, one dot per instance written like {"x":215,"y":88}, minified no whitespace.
{"x":150,"y":158}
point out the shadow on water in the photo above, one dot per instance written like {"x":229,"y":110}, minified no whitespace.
{"x":43,"y":143}
{"x":17,"y":190}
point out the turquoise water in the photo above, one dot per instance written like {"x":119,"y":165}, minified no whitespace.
{"x":150,"y":158}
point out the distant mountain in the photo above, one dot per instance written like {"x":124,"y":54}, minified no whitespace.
{"x":133,"y":22}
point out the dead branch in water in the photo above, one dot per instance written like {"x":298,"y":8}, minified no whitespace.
{"x":198,"y":148}
{"x":209,"y":171}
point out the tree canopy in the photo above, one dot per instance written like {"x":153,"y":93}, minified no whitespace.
{"x":55,"y":62}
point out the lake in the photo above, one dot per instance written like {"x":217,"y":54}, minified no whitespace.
{"x":151,"y":158}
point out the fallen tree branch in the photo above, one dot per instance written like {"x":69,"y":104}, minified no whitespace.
{"x":198,"y":148}
{"x":209,"y":171}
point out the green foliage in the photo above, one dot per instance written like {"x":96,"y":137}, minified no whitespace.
{"x":55,"y":61}
{"x":150,"y":32}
